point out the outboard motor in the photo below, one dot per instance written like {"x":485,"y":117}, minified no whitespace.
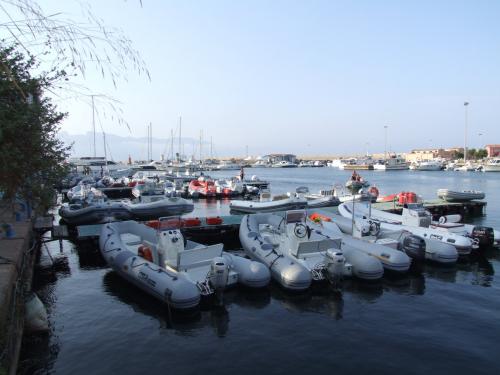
{"x":414,"y":247}
{"x":374,"y":228}
{"x":219,"y":272}
{"x":361,"y":228}
{"x":483,"y":235}
{"x":334,"y":261}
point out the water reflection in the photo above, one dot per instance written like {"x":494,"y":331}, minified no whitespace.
{"x":182,"y":322}
{"x":89,"y":256}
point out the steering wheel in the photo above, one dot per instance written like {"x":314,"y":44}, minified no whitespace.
{"x":300,"y":230}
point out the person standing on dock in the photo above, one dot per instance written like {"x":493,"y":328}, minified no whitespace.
{"x":242,"y":174}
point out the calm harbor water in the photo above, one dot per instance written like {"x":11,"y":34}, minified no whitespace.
{"x":434,"y":320}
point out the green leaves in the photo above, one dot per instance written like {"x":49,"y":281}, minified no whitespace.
{"x":31,"y":156}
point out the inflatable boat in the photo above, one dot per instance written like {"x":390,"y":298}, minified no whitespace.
{"x":265,"y":204}
{"x":363,"y":238}
{"x":459,"y":196}
{"x":97,"y":211}
{"x":172,"y":269}
{"x":294,"y":253}
{"x":411,"y":244}
{"x":415,"y":221}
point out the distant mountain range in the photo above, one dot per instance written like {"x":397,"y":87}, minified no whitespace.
{"x":121,"y":147}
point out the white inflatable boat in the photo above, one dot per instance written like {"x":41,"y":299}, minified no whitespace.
{"x":265,"y":204}
{"x":459,"y":196}
{"x":416,"y":247}
{"x":172,"y":269}
{"x":415,"y":221}
{"x":362,"y":236}
{"x":298,"y":254}
{"x":100,"y":211}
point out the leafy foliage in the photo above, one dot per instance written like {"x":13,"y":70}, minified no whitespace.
{"x":31,"y":156}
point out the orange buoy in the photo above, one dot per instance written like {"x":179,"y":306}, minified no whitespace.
{"x":316,"y":217}
{"x":145,"y":252}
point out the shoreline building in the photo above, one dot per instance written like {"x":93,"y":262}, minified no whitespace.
{"x":432,"y":154}
{"x":493,"y":150}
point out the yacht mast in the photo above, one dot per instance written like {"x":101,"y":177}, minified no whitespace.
{"x":93,"y":122}
{"x":172,"y":144}
{"x":180,"y":135}
{"x":465,"y":133}
{"x":385,"y":144}
{"x":201,"y":142}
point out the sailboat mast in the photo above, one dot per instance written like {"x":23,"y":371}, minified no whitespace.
{"x":172,"y":144}
{"x":93,"y":122}
{"x":150,"y":141}
{"x":180,"y":136}
{"x":201,"y":142}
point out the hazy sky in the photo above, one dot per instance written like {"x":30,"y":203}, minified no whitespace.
{"x":307,"y":77}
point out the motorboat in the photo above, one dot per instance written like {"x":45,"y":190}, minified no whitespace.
{"x":94,"y":210}
{"x":306,"y":164}
{"x":295,"y":254}
{"x":268,"y":204}
{"x":428,"y":165}
{"x":229,"y":187}
{"x":356,"y":184}
{"x":414,"y":219}
{"x":459,"y":196}
{"x":468,"y":167}
{"x":228,"y":165}
{"x":317,"y":200}
{"x":392,"y":164}
{"x":415,"y":246}
{"x":362,"y":236}
{"x":254,"y":185}
{"x":284,"y":164}
{"x":81,"y":192}
{"x":202,"y":188}
{"x":149,"y":191}
{"x":97,"y":210}
{"x":492,"y":165}
{"x":164,"y":206}
{"x":172,"y":269}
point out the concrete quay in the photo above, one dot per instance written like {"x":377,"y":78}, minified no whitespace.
{"x":16,"y":268}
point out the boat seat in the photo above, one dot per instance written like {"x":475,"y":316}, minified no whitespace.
{"x":198,"y":257}
{"x":309,"y":247}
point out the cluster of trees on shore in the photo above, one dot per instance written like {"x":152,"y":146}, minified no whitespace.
{"x":31,"y":156}
{"x":472,"y":154}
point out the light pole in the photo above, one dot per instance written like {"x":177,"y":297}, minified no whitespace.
{"x":385,"y":142}
{"x":465,"y":133}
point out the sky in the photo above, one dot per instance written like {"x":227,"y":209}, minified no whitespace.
{"x":303,"y":77}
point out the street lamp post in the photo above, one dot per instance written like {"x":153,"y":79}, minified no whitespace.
{"x":385,"y":142}
{"x":465,"y":133}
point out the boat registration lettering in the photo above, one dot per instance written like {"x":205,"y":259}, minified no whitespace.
{"x":436,"y":237}
{"x":146,"y":279}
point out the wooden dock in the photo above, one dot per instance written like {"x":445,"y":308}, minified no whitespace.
{"x":230,"y":223}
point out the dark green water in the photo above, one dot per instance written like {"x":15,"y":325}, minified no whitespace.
{"x":435,"y":320}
